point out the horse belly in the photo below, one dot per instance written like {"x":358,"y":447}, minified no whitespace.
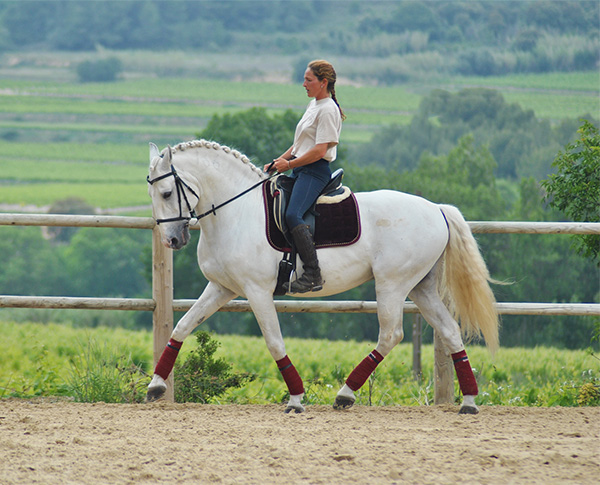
{"x":344,"y":268}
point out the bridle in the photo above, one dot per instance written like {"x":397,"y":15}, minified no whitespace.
{"x":180,"y":185}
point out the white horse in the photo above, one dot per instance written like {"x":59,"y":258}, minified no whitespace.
{"x":410,"y":246}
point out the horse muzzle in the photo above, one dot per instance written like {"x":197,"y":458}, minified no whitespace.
{"x":176,"y":237}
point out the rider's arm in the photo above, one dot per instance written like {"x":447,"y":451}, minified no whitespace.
{"x":287,"y":155}
{"x":311,"y":156}
{"x":283,"y":163}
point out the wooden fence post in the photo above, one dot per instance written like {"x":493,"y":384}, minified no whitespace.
{"x":162,"y":293}
{"x":443,"y":373}
{"x":417,"y":340}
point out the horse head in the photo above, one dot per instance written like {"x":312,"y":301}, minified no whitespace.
{"x":173,"y":199}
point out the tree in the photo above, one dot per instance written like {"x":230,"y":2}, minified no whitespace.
{"x":253,"y":132}
{"x":465,"y":178}
{"x":71,"y":205}
{"x":415,"y":16}
{"x":31,"y":265}
{"x":541,"y":268}
{"x":106,"y":262}
{"x":575,"y":188}
{"x":519,"y":143}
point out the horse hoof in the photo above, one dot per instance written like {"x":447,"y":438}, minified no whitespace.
{"x":296,"y":409}
{"x":156,"y":393}
{"x":468,"y":410}
{"x":342,"y":402}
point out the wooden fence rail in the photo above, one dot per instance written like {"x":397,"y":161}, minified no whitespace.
{"x":163,"y":305}
{"x":282,"y":306}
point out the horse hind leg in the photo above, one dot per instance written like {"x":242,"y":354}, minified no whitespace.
{"x":425,"y":295}
{"x":390,"y":307}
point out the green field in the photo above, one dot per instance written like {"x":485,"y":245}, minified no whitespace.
{"x":65,"y":139}
{"x":38,"y":360}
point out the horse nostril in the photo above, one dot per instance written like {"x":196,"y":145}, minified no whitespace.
{"x":174,"y":242}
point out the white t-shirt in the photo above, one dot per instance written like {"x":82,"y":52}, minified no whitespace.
{"x":321,"y":123}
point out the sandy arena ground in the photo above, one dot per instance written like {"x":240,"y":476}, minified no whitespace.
{"x":69,"y":443}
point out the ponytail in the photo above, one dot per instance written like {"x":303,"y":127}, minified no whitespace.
{"x":338,"y":104}
{"x":324,"y":70}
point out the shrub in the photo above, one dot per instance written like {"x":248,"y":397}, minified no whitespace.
{"x":100,"y":374}
{"x":105,"y":70}
{"x":589,"y":395}
{"x":202,"y":377}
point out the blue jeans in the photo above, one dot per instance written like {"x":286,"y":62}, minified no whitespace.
{"x":310,"y":181}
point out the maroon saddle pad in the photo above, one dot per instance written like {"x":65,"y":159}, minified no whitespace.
{"x":336,"y":225}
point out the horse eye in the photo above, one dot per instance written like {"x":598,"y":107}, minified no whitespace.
{"x":166,"y":195}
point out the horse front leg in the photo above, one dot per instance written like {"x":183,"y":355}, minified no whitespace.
{"x":264,"y":310}
{"x":213,"y":297}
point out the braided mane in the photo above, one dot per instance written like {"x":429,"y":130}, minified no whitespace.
{"x":213,"y":145}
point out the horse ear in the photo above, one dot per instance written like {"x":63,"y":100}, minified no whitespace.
{"x":154,"y":152}
{"x":168,"y":154}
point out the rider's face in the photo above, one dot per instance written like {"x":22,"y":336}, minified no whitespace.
{"x":314,"y":88}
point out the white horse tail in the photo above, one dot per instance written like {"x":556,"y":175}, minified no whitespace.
{"x":465,"y":289}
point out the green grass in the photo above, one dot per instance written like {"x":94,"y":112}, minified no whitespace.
{"x":100,"y":123}
{"x":102,"y":195}
{"x":73,"y":171}
{"x":38,"y":360}
{"x":90,"y":152}
{"x":177,"y":132}
{"x":19,"y":105}
{"x":552,"y":107}
{"x":201,"y":98}
{"x":567,"y":81}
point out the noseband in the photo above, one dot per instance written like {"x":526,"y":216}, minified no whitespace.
{"x":180,"y":185}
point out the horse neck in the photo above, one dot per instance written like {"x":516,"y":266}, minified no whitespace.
{"x":219,"y":176}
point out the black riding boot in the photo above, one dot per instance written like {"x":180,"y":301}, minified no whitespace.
{"x":305,"y":245}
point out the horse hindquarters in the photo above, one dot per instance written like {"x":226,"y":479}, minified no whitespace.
{"x":404,"y":238}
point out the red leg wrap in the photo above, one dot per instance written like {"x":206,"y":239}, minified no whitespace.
{"x":167,"y":359}
{"x":466,"y":379}
{"x":290,"y":376}
{"x":359,"y":376}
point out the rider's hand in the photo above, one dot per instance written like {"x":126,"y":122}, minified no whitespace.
{"x":279,"y":164}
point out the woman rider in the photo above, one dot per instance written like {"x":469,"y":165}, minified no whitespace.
{"x":315,"y":141}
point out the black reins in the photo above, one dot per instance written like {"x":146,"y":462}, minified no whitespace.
{"x":181,"y":185}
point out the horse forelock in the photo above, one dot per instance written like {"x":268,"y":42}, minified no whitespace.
{"x":213,"y":145}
